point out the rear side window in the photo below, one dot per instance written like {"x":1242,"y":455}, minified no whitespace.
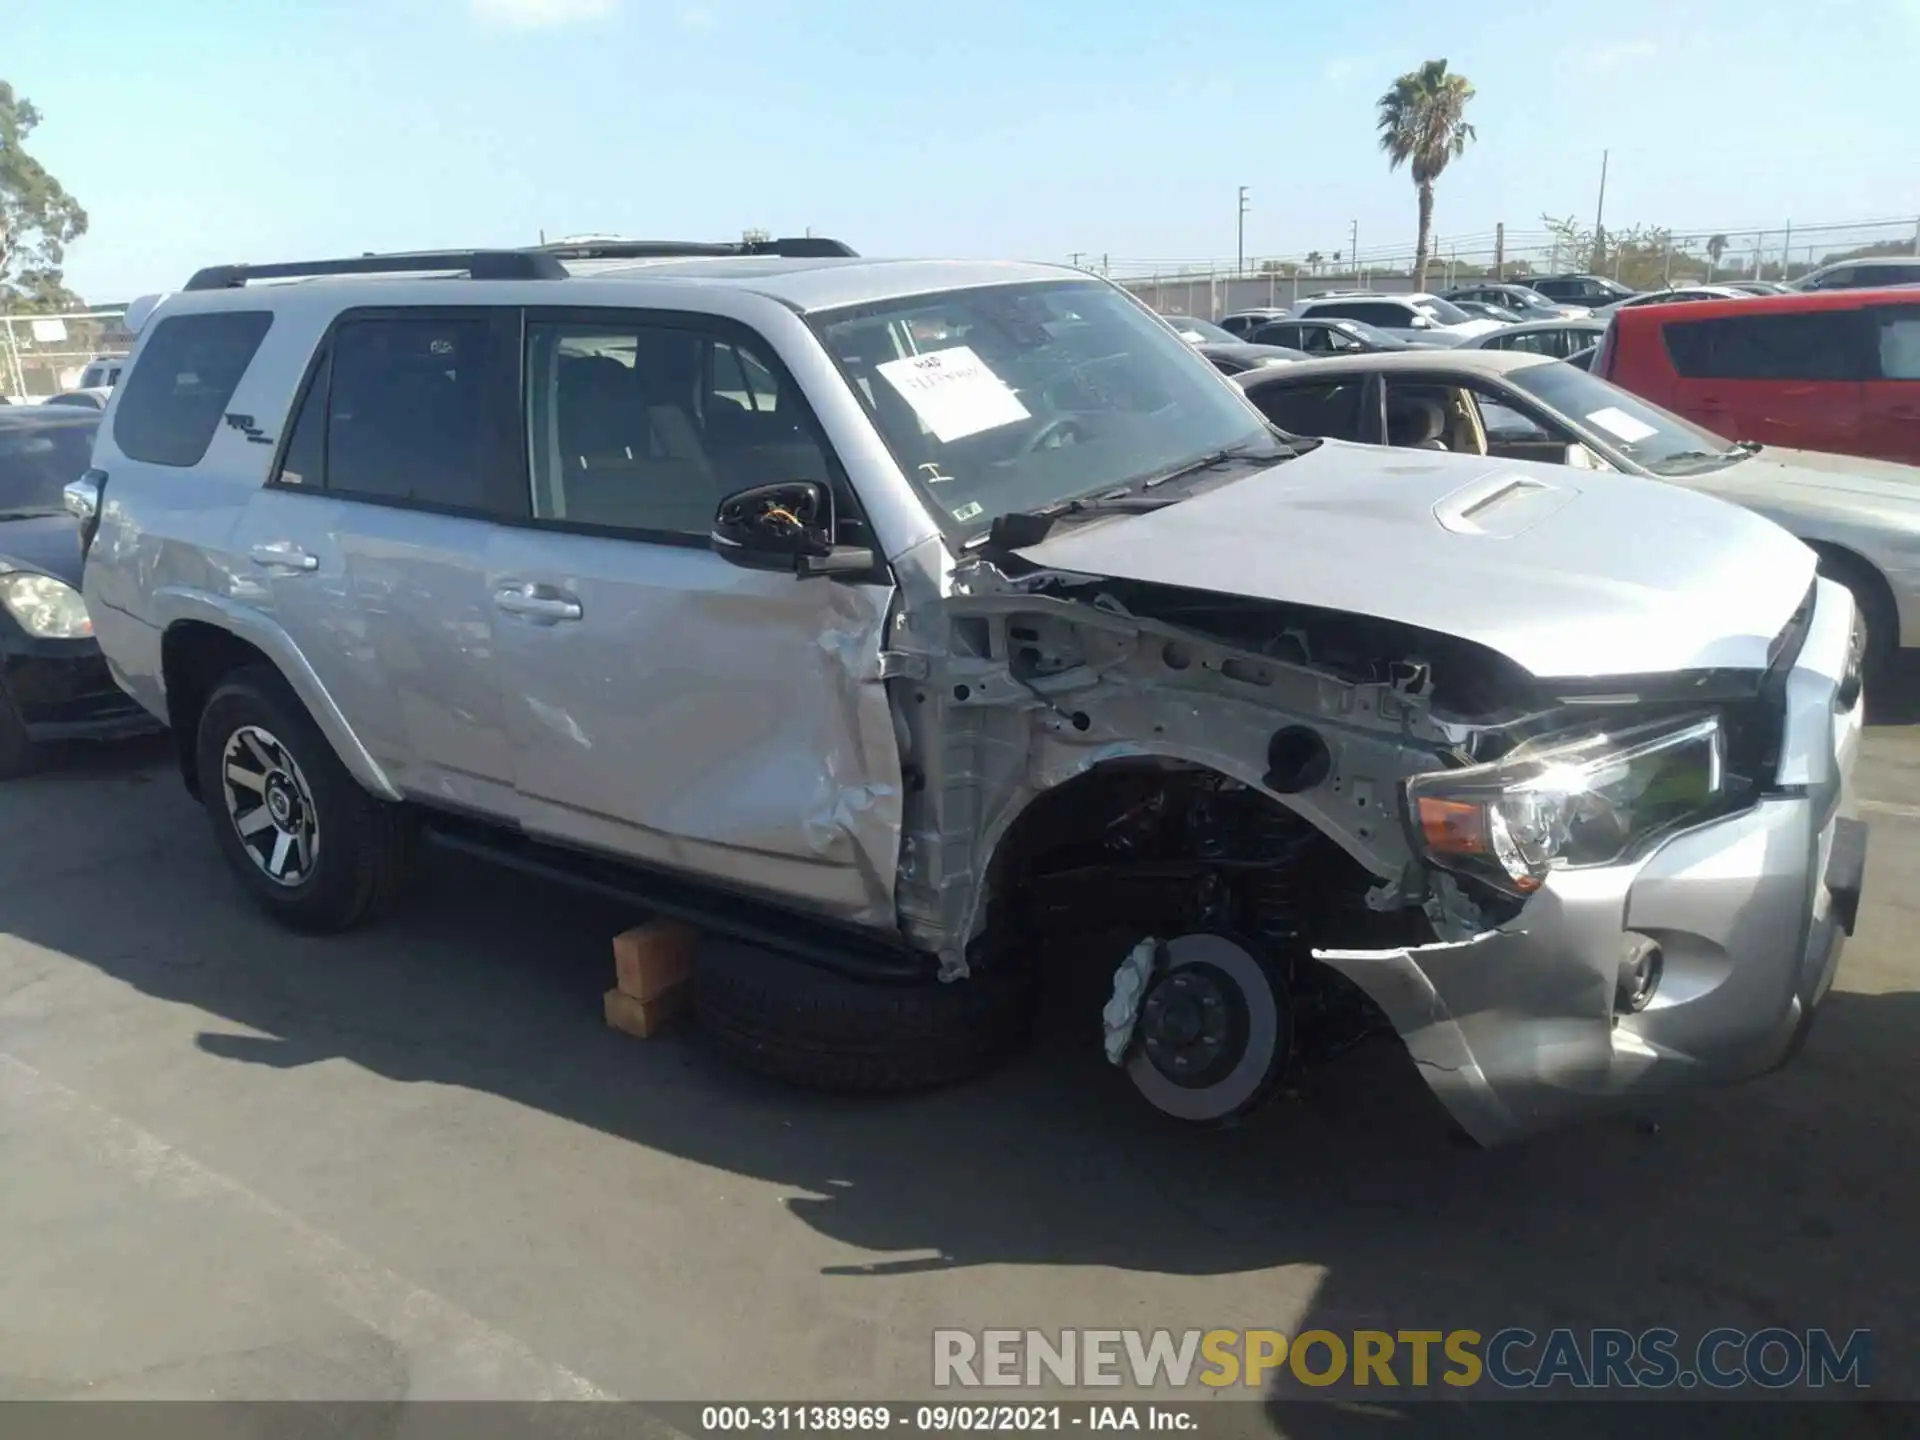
{"x":1820,"y":345}
{"x":404,"y":413}
{"x":1331,"y":411}
{"x":1899,"y":342}
{"x":176,"y":395}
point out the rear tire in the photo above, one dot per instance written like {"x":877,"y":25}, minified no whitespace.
{"x":17,"y":753}
{"x":308,"y":843}
{"x":792,"y":1021}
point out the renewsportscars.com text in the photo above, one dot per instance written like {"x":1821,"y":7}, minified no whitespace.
{"x":1508,"y":1359}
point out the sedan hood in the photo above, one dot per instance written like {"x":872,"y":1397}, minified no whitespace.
{"x":49,"y":544}
{"x":1814,"y":469}
{"x":1567,"y":573}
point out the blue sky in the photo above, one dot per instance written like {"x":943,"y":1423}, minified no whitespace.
{"x":198,"y":131}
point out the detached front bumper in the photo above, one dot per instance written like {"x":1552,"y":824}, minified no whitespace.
{"x":1522,"y":1028}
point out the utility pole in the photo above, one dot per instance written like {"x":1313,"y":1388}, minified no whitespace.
{"x":1500,"y":250}
{"x":1074,"y":259}
{"x":1786,"y":253}
{"x":1599,"y":215}
{"x":1353,"y":248}
{"x":1240,"y":247}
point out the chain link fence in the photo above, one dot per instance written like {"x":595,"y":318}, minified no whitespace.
{"x":1646,"y":257}
{"x":41,"y":355}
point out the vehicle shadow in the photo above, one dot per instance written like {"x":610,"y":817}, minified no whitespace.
{"x":1783,"y":1202}
{"x":1893,"y":696}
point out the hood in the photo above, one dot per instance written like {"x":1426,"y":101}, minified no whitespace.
{"x":1568,"y":573}
{"x":49,"y":544}
{"x":1849,"y":474}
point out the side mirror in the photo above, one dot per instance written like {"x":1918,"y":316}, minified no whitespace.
{"x":1421,"y":322}
{"x":786,"y":527}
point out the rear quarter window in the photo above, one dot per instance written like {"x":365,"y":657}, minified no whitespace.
{"x":171,"y":403}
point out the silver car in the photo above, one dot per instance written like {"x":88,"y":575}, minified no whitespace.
{"x":1555,"y":339}
{"x":1862,"y":517}
{"x":934,"y":622}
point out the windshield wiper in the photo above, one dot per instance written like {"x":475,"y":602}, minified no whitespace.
{"x":1216,"y":458}
{"x":1691,"y":459}
{"x":1029,"y":527}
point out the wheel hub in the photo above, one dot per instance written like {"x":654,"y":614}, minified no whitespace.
{"x":270,"y":805}
{"x":1193,"y":1026}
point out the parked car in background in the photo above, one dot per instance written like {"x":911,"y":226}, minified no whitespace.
{"x":1835,"y":370}
{"x":1588,"y":290}
{"x":1322,"y":335}
{"x":102,"y":372}
{"x":1228,"y":354}
{"x":1244,"y":322}
{"x":93,"y":399}
{"x":1756,"y":287}
{"x":1861,"y":517}
{"x":1032,"y":635}
{"x":1523,"y":300}
{"x":1407,"y":317}
{"x":54,"y":685}
{"x":1873,"y":272}
{"x":1556,"y":339}
{"x":1480,"y":310}
{"x":1670,"y":295}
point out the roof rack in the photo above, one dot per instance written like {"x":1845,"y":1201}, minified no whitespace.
{"x":793,"y":247}
{"x":478,"y":265}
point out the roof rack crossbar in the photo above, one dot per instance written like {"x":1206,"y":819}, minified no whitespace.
{"x":477,"y":264}
{"x":796,"y":247}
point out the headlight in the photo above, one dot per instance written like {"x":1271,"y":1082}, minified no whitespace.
{"x":46,"y":608}
{"x":1587,"y":802}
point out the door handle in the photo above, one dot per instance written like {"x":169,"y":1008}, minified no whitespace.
{"x":527,"y":600}
{"x":282,"y":555}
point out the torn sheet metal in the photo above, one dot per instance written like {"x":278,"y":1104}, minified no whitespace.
{"x":1122,"y":1012}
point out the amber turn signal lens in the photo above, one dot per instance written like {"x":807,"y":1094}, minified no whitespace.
{"x":1453,"y":827}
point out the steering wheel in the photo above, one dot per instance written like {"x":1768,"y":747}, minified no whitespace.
{"x":1052,"y":435}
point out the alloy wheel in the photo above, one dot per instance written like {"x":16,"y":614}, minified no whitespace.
{"x":270,"y":805}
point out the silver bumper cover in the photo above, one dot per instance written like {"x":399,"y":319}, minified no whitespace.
{"x":1518,"y":1029}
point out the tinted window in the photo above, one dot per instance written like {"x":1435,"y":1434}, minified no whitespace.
{"x":1328,"y":409}
{"x":1899,"y":343}
{"x":1827,"y":345}
{"x":1371,"y":311}
{"x":404,"y":411}
{"x":1287,"y":335}
{"x":647,"y":428}
{"x":187,"y":373}
{"x":1833,"y":280}
{"x":37,"y":459}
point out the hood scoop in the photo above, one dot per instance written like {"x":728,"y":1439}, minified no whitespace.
{"x":1502,"y":505}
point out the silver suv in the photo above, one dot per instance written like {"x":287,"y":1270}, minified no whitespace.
{"x":940,"y":621}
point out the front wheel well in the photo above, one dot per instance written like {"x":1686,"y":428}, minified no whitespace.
{"x":1870,"y":591}
{"x":194,"y":657}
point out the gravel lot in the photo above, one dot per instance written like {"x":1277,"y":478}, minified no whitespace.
{"x":414,"y":1163}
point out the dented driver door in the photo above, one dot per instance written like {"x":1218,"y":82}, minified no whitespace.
{"x":664,"y":705}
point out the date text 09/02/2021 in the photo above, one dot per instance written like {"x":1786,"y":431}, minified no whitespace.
{"x":945,"y":1419}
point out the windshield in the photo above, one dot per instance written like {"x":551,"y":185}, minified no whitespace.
{"x":37,"y":460}
{"x":1650,"y":437}
{"x":1526,"y":300}
{"x":1201,"y":332}
{"x":1015,"y":397}
{"x":1445,"y":312}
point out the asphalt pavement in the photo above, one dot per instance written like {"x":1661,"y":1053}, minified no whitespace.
{"x":413,"y":1162}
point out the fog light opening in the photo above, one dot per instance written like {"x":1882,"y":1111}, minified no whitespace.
{"x":1640,"y":974}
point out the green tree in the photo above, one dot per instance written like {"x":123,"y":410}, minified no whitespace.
{"x":1313,"y":262}
{"x":38,"y":218}
{"x":1716,"y":247}
{"x":1423,"y":126}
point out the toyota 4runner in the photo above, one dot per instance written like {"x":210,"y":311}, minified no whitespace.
{"x":922,"y":619}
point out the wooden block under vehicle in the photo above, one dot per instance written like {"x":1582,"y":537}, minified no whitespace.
{"x":644,"y":1018}
{"x":651,"y":959}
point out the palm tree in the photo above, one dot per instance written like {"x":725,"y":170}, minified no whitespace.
{"x":1313,"y":262}
{"x":1716,"y":247}
{"x":1423,"y":126}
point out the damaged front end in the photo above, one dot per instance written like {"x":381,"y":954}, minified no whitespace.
{"x":1276,"y":830}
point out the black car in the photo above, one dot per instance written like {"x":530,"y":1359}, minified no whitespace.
{"x":1588,"y":290}
{"x":54,"y":684}
{"x":1329,"y":335}
{"x":1238,"y":358}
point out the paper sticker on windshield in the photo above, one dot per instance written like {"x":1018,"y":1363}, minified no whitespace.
{"x":968,"y":510}
{"x":1621,"y":425}
{"x":953,"y":392}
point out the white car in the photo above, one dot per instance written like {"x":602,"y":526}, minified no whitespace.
{"x":1674,"y":295}
{"x":1418,"y":316}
